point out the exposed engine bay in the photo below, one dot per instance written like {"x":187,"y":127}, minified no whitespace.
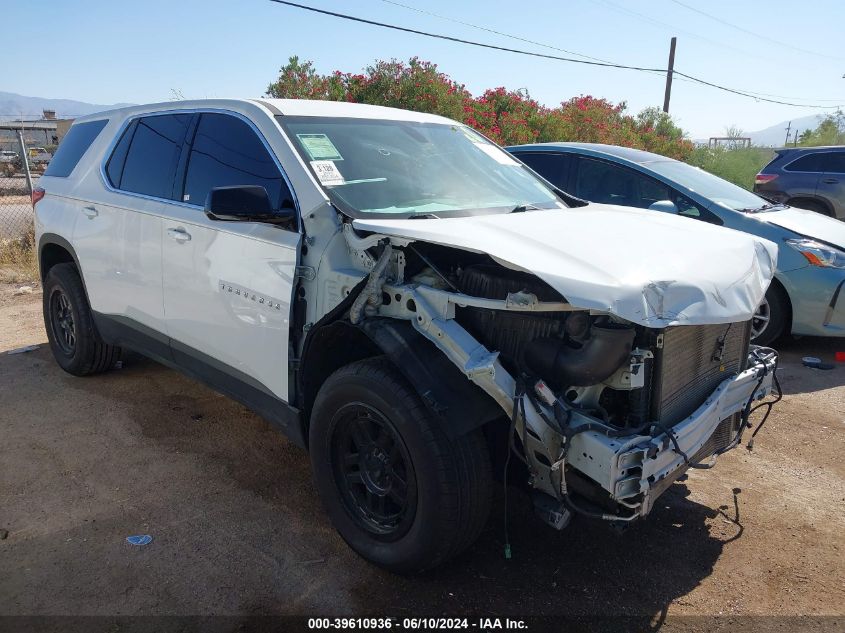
{"x":604,"y":413}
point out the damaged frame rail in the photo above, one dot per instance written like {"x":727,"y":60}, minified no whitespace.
{"x":433,"y":316}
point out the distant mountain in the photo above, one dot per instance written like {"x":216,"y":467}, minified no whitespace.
{"x":12,"y":106}
{"x":776,"y":135}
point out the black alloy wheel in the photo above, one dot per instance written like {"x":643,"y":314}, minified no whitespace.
{"x":373,"y":471}
{"x":62,"y":321}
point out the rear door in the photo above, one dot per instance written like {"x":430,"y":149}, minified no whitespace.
{"x":118,"y":236}
{"x":832,"y":182}
{"x":228,"y":285}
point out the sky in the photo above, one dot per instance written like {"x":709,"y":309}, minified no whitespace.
{"x":108,"y":51}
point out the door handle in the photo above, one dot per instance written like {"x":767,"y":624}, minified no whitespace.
{"x":180,"y":235}
{"x":830,"y":181}
{"x":90,"y":212}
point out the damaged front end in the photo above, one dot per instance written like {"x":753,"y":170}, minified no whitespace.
{"x":606,"y":412}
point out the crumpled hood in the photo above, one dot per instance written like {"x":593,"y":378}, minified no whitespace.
{"x":809,"y":223}
{"x":650,"y":268}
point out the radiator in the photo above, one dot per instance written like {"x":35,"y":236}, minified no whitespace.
{"x":688,"y":367}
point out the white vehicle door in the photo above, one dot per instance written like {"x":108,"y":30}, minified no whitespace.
{"x":228,"y":285}
{"x":118,"y":234}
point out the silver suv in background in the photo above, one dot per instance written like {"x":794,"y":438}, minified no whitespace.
{"x":806,"y":177}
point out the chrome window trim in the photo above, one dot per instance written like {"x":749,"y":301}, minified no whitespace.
{"x":129,"y":120}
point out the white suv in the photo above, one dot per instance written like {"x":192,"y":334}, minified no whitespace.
{"x":410,"y":303}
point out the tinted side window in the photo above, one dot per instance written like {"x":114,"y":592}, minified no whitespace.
{"x":598,"y":181}
{"x":226,"y":151}
{"x":153,"y":155}
{"x":75,"y":144}
{"x":809,"y":162}
{"x":552,"y":167}
{"x":837,"y":162}
{"x":114,"y":168}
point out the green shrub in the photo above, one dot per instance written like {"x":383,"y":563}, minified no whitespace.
{"x":739,"y":166}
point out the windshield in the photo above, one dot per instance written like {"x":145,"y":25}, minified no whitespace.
{"x":403,"y":169}
{"x":710,"y":186}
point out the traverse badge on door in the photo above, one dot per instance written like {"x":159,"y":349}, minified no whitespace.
{"x":250,"y":295}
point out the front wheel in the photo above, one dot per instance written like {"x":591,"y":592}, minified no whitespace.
{"x":771,"y":318}
{"x":401,"y":492}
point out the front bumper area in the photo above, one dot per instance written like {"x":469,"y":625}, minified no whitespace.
{"x":818,"y":300}
{"x":636,"y":470}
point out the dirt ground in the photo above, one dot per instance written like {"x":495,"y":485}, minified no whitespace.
{"x":237,"y":528}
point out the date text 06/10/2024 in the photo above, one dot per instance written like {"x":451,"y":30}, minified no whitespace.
{"x":417,"y":624}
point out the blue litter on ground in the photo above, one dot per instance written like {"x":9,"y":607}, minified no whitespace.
{"x":141,"y":539}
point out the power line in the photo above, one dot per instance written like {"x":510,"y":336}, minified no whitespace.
{"x":641,"y":16}
{"x":759,"y":35}
{"x":674,"y":29}
{"x":495,"y":32}
{"x":549,"y":46}
{"x":542,"y":55}
{"x":508,"y":35}
{"x":463,"y":41}
{"x":753,"y":96}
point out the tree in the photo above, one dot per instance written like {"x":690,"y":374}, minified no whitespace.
{"x":301,"y":81}
{"x":830,"y":131}
{"x":508,"y":117}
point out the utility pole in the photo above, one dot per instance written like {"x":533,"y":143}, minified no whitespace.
{"x":795,"y":142}
{"x":669,"y":73}
{"x":788,"y":130}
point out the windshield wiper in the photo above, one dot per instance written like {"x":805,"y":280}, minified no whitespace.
{"x":765,"y":207}
{"x":423,"y":216}
{"x":522,"y":208}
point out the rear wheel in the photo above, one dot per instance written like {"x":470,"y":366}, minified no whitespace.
{"x":74,"y":341}
{"x":771,"y":318}
{"x":400,"y":492}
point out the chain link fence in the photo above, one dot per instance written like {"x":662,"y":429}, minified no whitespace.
{"x":21,"y":164}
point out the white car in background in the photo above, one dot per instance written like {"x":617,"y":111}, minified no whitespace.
{"x":39,"y":156}
{"x":410,"y":303}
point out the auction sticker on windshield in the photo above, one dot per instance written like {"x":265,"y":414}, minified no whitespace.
{"x":319,"y":147}
{"x":327,"y":172}
{"x":496,"y":154}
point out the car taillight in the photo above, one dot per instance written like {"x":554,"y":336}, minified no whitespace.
{"x":762,"y":179}
{"x":37,"y":194}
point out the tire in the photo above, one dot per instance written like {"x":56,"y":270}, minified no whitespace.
{"x":775,"y":307}
{"x":809,"y":205}
{"x":74,"y":341}
{"x":445,"y":502}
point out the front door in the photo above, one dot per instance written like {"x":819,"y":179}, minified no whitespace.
{"x":228,"y":286}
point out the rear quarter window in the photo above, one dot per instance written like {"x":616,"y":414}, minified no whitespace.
{"x":77,"y":141}
{"x":808,"y":163}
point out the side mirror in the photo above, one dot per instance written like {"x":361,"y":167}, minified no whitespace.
{"x":244,"y":203}
{"x":666,"y":206}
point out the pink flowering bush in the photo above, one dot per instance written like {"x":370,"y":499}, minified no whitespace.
{"x":508,"y":117}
